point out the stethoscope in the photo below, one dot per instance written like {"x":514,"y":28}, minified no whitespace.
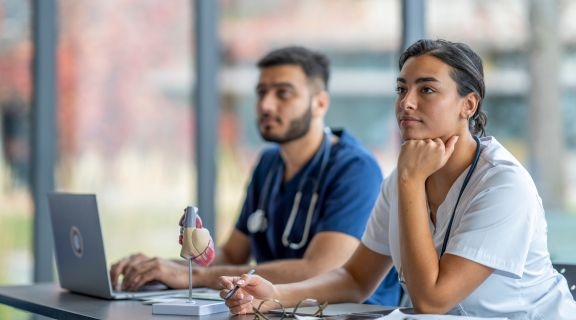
{"x":258,"y":222}
{"x":466,"y":180}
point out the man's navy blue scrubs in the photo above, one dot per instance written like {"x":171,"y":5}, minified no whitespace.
{"x":347,"y":189}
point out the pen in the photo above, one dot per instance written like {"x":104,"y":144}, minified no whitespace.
{"x":231,"y":292}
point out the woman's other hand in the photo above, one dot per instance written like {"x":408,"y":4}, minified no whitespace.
{"x":252,"y":290}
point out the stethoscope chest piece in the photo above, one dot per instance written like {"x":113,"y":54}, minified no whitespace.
{"x":257,"y":221}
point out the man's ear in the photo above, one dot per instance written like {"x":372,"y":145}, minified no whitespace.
{"x":321,"y":103}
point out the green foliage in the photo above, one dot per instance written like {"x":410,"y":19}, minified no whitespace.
{"x":15,"y":237}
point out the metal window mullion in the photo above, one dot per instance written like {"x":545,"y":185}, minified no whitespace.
{"x":207,"y":107}
{"x":43,"y":135}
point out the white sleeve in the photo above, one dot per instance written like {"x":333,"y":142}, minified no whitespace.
{"x":377,"y":233}
{"x":497,"y":227}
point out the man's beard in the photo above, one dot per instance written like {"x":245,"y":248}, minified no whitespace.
{"x":297,"y":129}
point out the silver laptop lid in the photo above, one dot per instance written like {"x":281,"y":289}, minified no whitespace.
{"x":80,"y":256}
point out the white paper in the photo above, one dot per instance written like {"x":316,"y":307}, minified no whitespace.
{"x":398,"y":315}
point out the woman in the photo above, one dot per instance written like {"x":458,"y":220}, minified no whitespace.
{"x":460,"y":218}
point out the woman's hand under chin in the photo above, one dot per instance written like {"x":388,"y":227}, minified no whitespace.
{"x":419,"y":159}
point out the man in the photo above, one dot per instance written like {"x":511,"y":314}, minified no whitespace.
{"x":310,"y":196}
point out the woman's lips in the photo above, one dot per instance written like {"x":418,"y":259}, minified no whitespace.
{"x":408,"y":121}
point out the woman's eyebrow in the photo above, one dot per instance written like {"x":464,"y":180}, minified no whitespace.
{"x":427,"y":79}
{"x":419,"y":80}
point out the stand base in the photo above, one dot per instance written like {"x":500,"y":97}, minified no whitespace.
{"x":189,"y":308}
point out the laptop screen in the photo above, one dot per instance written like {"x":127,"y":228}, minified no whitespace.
{"x":78,"y":244}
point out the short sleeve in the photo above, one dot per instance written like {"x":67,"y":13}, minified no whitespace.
{"x":377,"y":234}
{"x":351,"y":190}
{"x":496,"y":229}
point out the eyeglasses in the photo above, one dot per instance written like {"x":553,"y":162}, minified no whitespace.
{"x":308,"y":307}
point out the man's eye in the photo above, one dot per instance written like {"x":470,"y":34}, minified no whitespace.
{"x":283,"y":94}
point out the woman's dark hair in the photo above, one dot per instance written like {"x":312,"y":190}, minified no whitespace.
{"x":315,"y":64}
{"x":467,"y":72}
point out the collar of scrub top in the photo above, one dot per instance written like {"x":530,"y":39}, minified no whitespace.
{"x":272,"y":186}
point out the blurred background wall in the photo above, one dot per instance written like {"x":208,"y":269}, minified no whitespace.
{"x":126,"y":118}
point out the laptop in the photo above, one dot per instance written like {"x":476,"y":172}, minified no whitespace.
{"x":80,"y":256}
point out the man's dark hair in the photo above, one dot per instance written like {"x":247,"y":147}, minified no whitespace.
{"x":315,"y":64}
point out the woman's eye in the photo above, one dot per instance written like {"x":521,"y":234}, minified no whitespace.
{"x":400,"y":90}
{"x":427,"y":90}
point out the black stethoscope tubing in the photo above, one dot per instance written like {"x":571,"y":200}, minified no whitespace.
{"x":266,"y":190}
{"x":466,"y":180}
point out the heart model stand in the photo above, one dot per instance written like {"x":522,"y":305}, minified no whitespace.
{"x":188,"y":228}
{"x":197,"y":246}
